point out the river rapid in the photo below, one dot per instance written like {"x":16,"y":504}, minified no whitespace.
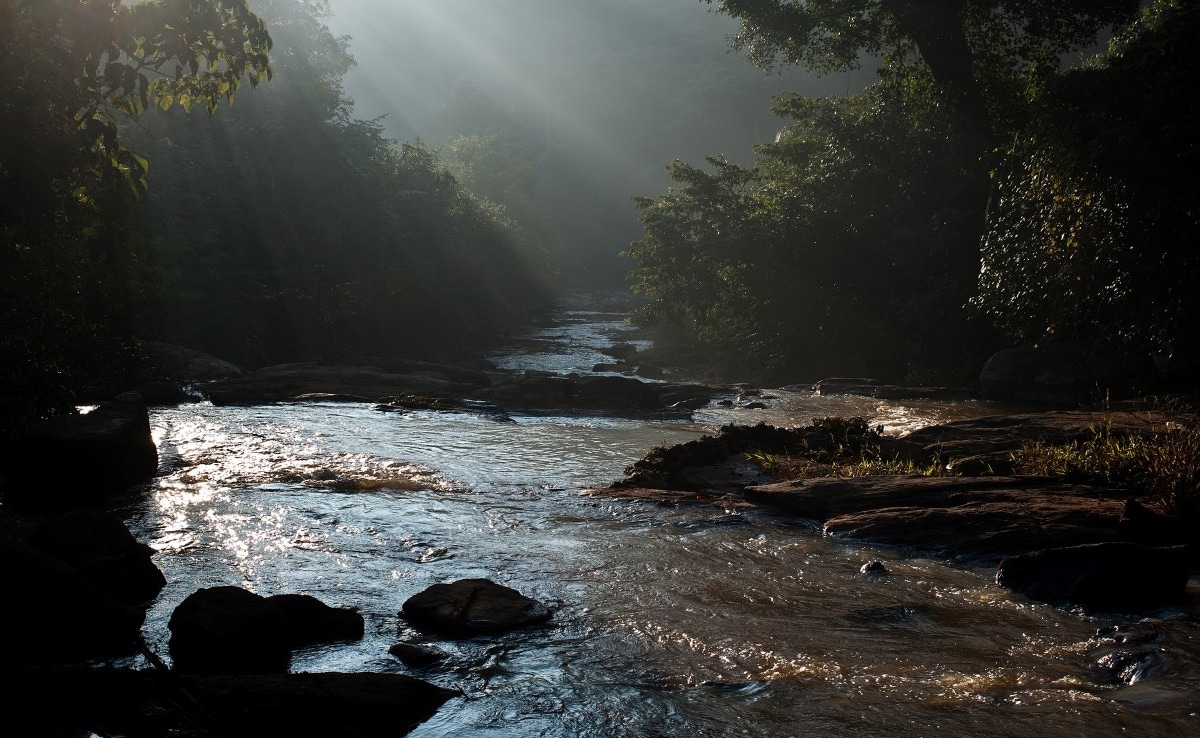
{"x":670,"y":622}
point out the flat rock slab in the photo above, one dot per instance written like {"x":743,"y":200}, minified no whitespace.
{"x":1000,"y":434}
{"x":471,"y":606}
{"x":291,"y":381}
{"x":985,"y":518}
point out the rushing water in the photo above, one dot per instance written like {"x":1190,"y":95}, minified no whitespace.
{"x":669,"y":622}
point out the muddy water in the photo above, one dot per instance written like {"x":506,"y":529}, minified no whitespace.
{"x":670,"y":622}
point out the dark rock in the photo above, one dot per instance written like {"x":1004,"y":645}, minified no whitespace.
{"x":981,"y":518}
{"x":318,"y":705}
{"x":311,"y":621}
{"x":177,"y":364}
{"x":621,"y":351}
{"x":101,"y":548}
{"x":873,"y":388}
{"x":1114,"y":577}
{"x":448,"y":372}
{"x":144,"y":703}
{"x":73,"y":460}
{"x":874,"y":569}
{"x":1140,"y":524}
{"x":1131,"y":665}
{"x":471,"y":606}
{"x":574,"y":392}
{"x":229,"y":630}
{"x":610,"y":368}
{"x":53,"y":614}
{"x":755,"y":406}
{"x":417,"y":656}
{"x":1051,"y":376}
{"x":286,"y":382}
{"x":650,"y":372}
{"x":1000,"y":435}
{"x":1128,"y":634}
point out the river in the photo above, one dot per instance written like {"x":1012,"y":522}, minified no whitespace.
{"x":670,"y":622}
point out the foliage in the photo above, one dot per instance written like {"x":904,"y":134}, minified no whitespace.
{"x":847,"y":248}
{"x":496,"y":159}
{"x":840,"y":447}
{"x":1163,"y":465}
{"x":329,"y":242}
{"x":71,"y":72}
{"x":1085,"y":242}
{"x":970,"y":46}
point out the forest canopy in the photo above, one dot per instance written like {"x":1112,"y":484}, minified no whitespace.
{"x":137,"y":205}
{"x":895,"y":233}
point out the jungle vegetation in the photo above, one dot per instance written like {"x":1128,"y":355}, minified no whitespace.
{"x":985,"y":191}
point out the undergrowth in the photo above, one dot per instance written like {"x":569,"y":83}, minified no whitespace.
{"x":1162,"y":464}
{"x":839,"y":447}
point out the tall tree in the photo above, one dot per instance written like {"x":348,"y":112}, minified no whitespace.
{"x":964,"y":42}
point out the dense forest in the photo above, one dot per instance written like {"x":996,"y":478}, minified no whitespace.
{"x":983,"y":192}
{"x":138,"y":204}
{"x":954,"y":181}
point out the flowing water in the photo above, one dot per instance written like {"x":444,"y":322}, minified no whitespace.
{"x":670,"y":621}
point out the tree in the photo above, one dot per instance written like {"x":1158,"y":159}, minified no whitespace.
{"x":968,"y":45}
{"x":71,"y":72}
{"x":1091,"y":237}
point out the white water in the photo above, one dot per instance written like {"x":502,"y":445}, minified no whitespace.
{"x":670,"y":622}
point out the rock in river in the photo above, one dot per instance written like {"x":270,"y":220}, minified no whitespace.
{"x":471,"y":606}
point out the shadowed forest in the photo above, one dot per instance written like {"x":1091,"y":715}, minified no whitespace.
{"x":885,"y":188}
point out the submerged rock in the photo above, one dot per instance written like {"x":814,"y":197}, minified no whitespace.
{"x":471,"y":606}
{"x":417,"y":656}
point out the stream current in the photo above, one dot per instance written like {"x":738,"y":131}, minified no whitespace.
{"x":670,"y":622}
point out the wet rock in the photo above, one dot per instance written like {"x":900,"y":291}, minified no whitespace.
{"x":610,"y":368}
{"x":1131,"y":665}
{"x":319,"y":705}
{"x":442,"y":404}
{"x":621,"y":351}
{"x":52,"y":613}
{"x":104,"y":552}
{"x":1001,"y":435}
{"x":1062,"y":375}
{"x":448,"y":372}
{"x":873,"y":388}
{"x":229,"y":630}
{"x":1113,"y":577}
{"x":574,"y":392}
{"x":417,"y":656}
{"x":756,"y":405}
{"x":650,"y":372}
{"x":1141,"y":524}
{"x":471,"y":606}
{"x":310,"y":621}
{"x":1128,"y":634}
{"x":144,"y":703}
{"x":874,"y":570}
{"x":287,"y":382}
{"x":73,"y":460}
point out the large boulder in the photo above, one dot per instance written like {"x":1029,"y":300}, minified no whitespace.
{"x":471,"y":606}
{"x":311,"y":621}
{"x":101,"y":548}
{"x":1062,"y":375}
{"x":72,"y":460}
{"x":229,"y":630}
{"x":1112,"y":577}
{"x":52,"y":613}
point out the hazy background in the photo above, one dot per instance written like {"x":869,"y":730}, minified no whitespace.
{"x":610,"y":91}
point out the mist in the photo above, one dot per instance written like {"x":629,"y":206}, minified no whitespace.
{"x":610,"y":92}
